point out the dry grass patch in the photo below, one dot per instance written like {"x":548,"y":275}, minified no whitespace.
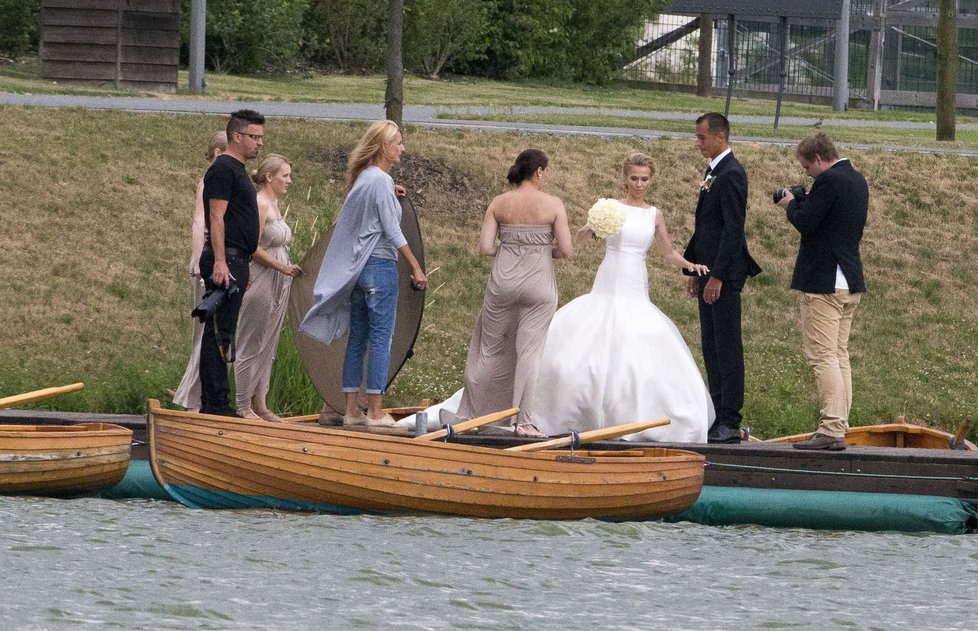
{"x":96,"y":241}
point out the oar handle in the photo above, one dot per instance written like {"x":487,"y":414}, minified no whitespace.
{"x":615,"y":431}
{"x":958,"y":441}
{"x":478,"y":421}
{"x":38,"y":395}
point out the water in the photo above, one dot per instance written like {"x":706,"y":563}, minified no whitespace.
{"x":149,"y":564}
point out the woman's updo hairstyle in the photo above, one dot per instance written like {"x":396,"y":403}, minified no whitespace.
{"x":267,"y":168}
{"x":636,"y":159}
{"x":526,"y":165}
{"x":217,"y":145}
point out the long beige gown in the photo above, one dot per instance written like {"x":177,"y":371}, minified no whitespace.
{"x":520,"y":300}
{"x":188,"y":392}
{"x":262,"y":314}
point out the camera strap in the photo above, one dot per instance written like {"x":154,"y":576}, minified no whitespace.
{"x":229,"y":354}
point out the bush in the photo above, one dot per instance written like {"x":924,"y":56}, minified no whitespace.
{"x":19,"y":26}
{"x":349,"y":34}
{"x":244,"y":36}
{"x":437,"y":32}
{"x":579,"y":40}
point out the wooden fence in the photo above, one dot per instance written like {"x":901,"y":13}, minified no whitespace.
{"x":123,"y":43}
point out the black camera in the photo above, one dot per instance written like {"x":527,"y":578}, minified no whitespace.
{"x":798,"y":190}
{"x":212,"y":301}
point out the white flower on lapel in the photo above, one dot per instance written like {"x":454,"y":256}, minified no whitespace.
{"x":707,"y":182}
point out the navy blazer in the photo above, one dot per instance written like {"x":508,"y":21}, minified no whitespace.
{"x":830,"y":219}
{"x":718,"y":239}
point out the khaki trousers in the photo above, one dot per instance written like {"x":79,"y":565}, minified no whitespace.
{"x":826,"y":321}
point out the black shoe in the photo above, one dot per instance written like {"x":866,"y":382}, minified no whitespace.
{"x":821,"y":441}
{"x":724,"y":435}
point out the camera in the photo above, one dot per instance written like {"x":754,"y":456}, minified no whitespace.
{"x":798,"y":190}
{"x":212,"y":301}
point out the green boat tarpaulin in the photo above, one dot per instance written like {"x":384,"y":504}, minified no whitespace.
{"x":830,"y":510}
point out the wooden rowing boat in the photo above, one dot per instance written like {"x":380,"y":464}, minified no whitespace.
{"x":217,"y":462}
{"x":62,"y":460}
{"x":901,"y":435}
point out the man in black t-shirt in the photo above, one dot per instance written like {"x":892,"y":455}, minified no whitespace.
{"x":231,"y":221}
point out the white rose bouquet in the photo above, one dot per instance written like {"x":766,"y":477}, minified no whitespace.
{"x":605,"y":218}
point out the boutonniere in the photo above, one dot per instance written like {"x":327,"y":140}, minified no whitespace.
{"x":707,"y":183}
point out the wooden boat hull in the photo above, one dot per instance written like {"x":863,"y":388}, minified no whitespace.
{"x":215,"y":462}
{"x":62,"y":460}
{"x":900,"y":435}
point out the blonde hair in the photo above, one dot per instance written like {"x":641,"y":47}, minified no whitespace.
{"x":219,"y":142}
{"x":636,"y":159}
{"x":371,"y":145}
{"x":269,"y":166}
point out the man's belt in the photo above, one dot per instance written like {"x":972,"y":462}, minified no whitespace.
{"x":229,"y":252}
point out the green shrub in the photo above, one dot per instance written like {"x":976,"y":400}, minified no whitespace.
{"x":245,"y":36}
{"x":348,"y":34}
{"x":19,"y":26}
{"x":437,"y":32}
{"x":579,"y":40}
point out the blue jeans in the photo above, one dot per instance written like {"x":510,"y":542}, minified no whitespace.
{"x":373,"y":310}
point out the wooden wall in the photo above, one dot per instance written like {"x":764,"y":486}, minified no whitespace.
{"x":123,"y":43}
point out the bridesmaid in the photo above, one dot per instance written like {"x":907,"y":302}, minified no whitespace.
{"x":263,"y":307}
{"x":521,"y":295}
{"x":188,"y":393}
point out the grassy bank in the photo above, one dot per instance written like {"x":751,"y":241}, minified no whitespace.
{"x":96,"y":221}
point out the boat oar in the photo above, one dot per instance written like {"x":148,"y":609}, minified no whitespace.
{"x":615,"y":431}
{"x":464,"y":426}
{"x":957,"y":441}
{"x":38,"y":395}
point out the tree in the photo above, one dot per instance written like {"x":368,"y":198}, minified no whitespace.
{"x":947,"y":67}
{"x":394,"y":96}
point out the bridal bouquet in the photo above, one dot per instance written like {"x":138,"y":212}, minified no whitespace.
{"x":605,"y":218}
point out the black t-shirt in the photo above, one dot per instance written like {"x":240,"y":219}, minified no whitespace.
{"x":228,"y":179}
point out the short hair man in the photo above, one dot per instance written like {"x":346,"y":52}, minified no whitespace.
{"x":829,"y":272}
{"x":231,"y":221}
{"x":719,"y":242}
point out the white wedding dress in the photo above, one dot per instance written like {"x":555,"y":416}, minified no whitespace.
{"x":613,"y":357}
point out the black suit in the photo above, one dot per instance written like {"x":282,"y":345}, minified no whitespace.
{"x":719,"y":242}
{"x":831,"y":220}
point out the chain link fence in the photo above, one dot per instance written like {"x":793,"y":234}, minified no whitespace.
{"x":909,"y":54}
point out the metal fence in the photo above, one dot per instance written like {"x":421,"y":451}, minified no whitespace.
{"x":909,"y":53}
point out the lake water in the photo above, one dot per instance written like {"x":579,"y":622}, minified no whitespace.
{"x":149,"y":564}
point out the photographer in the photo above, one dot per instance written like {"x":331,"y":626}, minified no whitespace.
{"x":829,"y":272}
{"x":231,"y":223}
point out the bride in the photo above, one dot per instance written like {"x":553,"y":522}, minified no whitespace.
{"x":613,"y":357}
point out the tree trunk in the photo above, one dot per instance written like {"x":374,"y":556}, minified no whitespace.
{"x":947,"y":67}
{"x":704,"y":76}
{"x":394,"y":98}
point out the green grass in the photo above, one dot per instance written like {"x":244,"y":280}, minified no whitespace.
{"x":23,"y":77}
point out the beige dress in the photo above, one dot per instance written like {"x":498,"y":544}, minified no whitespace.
{"x":188,"y":393}
{"x":262,"y":314}
{"x":520,"y":300}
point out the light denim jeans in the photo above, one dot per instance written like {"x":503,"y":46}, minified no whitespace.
{"x":373,"y":311}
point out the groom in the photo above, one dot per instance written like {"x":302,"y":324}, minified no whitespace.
{"x":719,"y":242}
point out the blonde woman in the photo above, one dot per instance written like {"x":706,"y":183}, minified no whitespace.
{"x":188,"y":393}
{"x":611,"y":355}
{"x":263,"y":307}
{"x":356,"y":289}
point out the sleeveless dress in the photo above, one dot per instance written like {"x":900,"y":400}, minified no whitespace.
{"x":262,"y":314}
{"x":613,"y":357}
{"x":520,"y":299}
